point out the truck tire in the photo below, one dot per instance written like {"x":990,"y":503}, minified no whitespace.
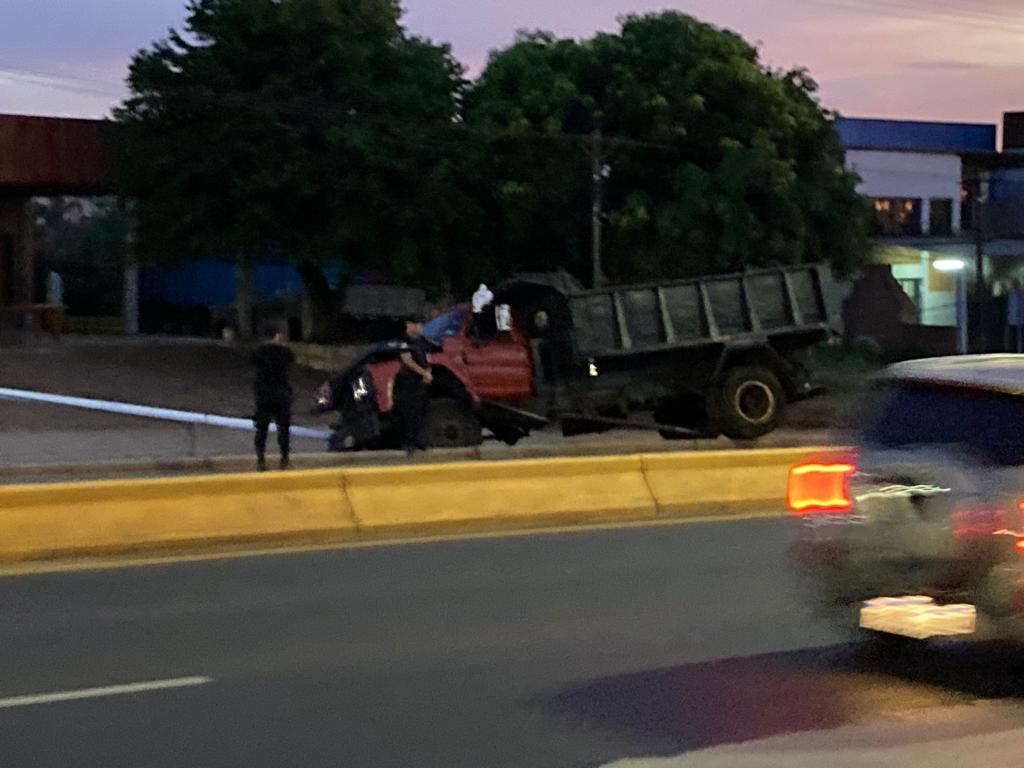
{"x":749,"y":402}
{"x":453,"y":424}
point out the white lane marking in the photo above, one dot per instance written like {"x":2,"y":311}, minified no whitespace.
{"x":95,"y":693}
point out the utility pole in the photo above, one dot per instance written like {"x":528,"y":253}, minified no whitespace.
{"x":978,"y":212}
{"x":600,"y":171}
{"x":130,"y":280}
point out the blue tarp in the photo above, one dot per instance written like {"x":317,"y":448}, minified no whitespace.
{"x":212,"y":283}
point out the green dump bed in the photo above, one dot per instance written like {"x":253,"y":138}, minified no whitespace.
{"x":711,"y":310}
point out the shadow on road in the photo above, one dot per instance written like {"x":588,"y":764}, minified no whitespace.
{"x":696,"y":706}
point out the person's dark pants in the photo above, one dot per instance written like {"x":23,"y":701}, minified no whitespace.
{"x":277,"y":409}
{"x":484,"y":326}
{"x":411,"y":406}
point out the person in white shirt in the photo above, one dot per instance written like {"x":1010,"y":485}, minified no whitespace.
{"x":481,"y":299}
{"x":483,"y":315}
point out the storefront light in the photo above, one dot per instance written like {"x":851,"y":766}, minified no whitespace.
{"x":948,"y":265}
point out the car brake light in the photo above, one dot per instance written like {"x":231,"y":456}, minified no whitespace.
{"x":1019,"y":544}
{"x":819,"y":487}
{"x":975,"y":521}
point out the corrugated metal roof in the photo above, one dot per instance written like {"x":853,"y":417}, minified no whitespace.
{"x":51,"y":155}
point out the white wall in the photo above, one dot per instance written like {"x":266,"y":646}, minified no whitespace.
{"x":936,"y":307}
{"x":909,"y":174}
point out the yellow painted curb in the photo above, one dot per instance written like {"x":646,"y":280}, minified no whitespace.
{"x":125,"y":516}
{"x":111,"y":516}
{"x":450,"y":495}
{"x":712,"y":482}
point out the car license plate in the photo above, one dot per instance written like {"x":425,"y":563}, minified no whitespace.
{"x":917,"y":616}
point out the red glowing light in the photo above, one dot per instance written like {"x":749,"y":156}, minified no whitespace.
{"x":819,"y":488}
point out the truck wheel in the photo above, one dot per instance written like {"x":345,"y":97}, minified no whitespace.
{"x":749,"y":402}
{"x":453,"y":424}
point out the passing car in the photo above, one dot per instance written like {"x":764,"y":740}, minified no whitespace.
{"x":918,"y":531}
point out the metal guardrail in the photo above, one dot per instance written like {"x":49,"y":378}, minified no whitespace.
{"x":149,"y":412}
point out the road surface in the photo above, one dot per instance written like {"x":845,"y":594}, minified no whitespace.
{"x":557,"y":649}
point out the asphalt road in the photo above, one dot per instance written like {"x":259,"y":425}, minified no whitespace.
{"x":562,"y":649}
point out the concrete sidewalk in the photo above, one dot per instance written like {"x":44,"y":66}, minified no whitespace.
{"x":38,"y":433}
{"x":211,"y":377}
{"x":987,"y":734}
{"x":136,"y":448}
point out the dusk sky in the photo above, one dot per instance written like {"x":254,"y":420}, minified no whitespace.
{"x":925,"y":59}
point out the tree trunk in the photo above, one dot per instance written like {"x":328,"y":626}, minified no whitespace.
{"x":130,"y":299}
{"x":130,"y":289}
{"x":243,"y":298}
{"x":323,"y":304}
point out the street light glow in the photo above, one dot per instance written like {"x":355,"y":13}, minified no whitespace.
{"x":948,"y":265}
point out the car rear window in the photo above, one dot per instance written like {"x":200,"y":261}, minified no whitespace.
{"x":444,"y":326}
{"x":904,"y":414}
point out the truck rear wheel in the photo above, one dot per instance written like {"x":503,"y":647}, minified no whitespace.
{"x":749,"y":402}
{"x":453,"y":424}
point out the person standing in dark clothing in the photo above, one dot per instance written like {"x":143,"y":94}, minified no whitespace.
{"x":411,"y":388}
{"x":272,"y":359}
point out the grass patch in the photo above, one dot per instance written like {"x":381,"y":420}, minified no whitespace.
{"x":845,"y":369}
{"x":844,"y":372}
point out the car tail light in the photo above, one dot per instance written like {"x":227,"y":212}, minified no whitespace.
{"x":978,"y":521}
{"x":820,"y":487}
{"x":1019,"y":544}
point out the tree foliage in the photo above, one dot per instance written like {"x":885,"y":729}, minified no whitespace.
{"x":322,"y":130}
{"x":301,"y":126}
{"x":716,"y":162}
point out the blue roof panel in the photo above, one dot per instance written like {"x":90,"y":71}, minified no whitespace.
{"x":915,"y":136}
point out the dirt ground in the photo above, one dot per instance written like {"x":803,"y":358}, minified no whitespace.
{"x":213,"y":377}
{"x":207,"y":377}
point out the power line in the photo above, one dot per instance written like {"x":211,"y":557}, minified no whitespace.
{"x":435,"y":135}
{"x":59,"y":82}
{"x":93,"y":80}
{"x":911,"y":12}
{"x":948,"y":9}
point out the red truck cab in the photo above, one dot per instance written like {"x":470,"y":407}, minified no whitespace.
{"x":497,"y":367}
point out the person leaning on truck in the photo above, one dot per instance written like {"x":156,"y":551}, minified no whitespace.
{"x":484,"y":323}
{"x":411,"y":387}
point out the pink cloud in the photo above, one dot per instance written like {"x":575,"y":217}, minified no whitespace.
{"x":931,"y":59}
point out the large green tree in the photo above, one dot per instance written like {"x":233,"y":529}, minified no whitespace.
{"x":716,"y":162}
{"x":317,"y":129}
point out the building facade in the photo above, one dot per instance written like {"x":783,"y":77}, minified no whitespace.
{"x":920,"y":180}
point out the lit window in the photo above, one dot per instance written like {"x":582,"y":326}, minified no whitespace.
{"x":897,"y":216}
